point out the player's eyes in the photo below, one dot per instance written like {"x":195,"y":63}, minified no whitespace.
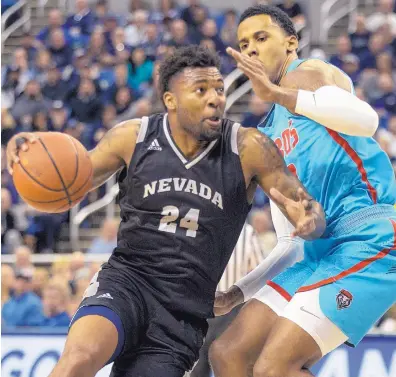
{"x":220,"y":90}
{"x":200,"y":90}
{"x":261,"y":39}
{"x":243,"y":47}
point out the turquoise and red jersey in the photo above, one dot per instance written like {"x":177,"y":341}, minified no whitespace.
{"x":344,"y":173}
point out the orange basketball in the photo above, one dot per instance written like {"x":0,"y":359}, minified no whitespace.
{"x":54,"y":174}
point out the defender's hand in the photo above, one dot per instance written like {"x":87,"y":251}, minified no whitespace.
{"x":306,"y":214}
{"x":255,"y":71}
{"x":226,"y":301}
{"x":18,"y":142}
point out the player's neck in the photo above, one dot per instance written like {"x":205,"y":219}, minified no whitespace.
{"x":286,"y":64}
{"x":185,"y":141}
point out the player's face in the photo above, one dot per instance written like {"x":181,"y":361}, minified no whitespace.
{"x":200,"y":101}
{"x":260,"y":37}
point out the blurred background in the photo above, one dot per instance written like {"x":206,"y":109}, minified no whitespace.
{"x":80,"y":67}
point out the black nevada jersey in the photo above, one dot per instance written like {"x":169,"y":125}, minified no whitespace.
{"x":180,"y":218}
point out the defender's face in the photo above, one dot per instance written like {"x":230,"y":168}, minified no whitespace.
{"x":260,"y":37}
{"x":200,"y":101}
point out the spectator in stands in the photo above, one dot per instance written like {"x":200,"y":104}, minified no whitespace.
{"x":11,"y":87}
{"x":82,"y":22}
{"x":376,"y":46}
{"x":101,"y":11}
{"x":43,"y":230}
{"x":107,"y":240}
{"x":140,"y":70}
{"x":77,"y":261}
{"x":361,"y":36}
{"x":56,"y":299}
{"x":30,"y":102}
{"x":228,"y":32}
{"x":294,"y":11}
{"x":187,"y":14}
{"x":351,"y":66}
{"x":120,"y":80}
{"x":97,"y":46}
{"x":108,"y":121}
{"x":118,"y":46}
{"x":167,"y":9}
{"x":7,"y":282}
{"x":153,"y":94}
{"x":343,"y":48}
{"x":23,"y":258}
{"x":135,"y":31}
{"x":86,"y":107}
{"x":24,"y":308}
{"x":200,"y":15}
{"x":61,"y":267}
{"x":384,"y":65}
{"x":384,"y":15}
{"x":124,"y":104}
{"x":178,"y":34}
{"x":20,"y":62}
{"x":40,"y":122}
{"x":40,"y":279}
{"x":42,"y":64}
{"x":55,"y":89}
{"x":151,"y":41}
{"x":30,"y":45}
{"x":81,"y":282}
{"x":387,"y":101}
{"x":209,"y":30}
{"x":136,"y":5}
{"x":262,"y":224}
{"x":7,"y":132}
{"x":58,"y":117}
{"x":61,"y":52}
{"x":55,"y":21}
{"x":257,"y":110}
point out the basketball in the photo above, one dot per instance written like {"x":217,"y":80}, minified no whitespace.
{"x":54,"y":174}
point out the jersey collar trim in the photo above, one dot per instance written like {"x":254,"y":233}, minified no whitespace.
{"x":187,"y":164}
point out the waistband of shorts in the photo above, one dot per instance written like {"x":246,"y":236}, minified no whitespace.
{"x":354,"y":220}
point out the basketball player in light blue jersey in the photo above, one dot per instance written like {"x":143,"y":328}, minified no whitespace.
{"x":346,"y":280}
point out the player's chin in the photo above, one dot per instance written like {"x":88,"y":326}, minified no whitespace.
{"x":210,"y":134}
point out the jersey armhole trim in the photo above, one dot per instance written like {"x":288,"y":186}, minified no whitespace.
{"x":143,"y":130}
{"x":234,"y":138}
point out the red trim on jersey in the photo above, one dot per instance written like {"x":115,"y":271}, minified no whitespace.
{"x":356,"y":159}
{"x":357,"y":267}
{"x":280,"y":290}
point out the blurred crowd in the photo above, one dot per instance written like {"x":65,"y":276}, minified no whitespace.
{"x":84,"y":73}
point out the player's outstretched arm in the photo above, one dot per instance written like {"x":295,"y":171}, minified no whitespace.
{"x":262,"y":163}
{"x":316,"y":90}
{"x":114,"y":151}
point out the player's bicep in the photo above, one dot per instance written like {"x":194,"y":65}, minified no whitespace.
{"x":114,"y":151}
{"x":266,"y":165}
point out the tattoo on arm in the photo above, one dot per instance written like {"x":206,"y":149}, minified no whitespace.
{"x":267,"y":165}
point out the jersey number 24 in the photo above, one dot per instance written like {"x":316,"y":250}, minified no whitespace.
{"x":170,"y":216}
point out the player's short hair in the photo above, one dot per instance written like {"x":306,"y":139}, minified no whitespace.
{"x":277,"y":15}
{"x":185,"y":57}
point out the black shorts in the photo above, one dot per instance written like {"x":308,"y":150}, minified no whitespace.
{"x":157,"y":341}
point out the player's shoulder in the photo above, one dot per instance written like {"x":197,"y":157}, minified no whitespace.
{"x":313,"y":74}
{"x":252,"y":141}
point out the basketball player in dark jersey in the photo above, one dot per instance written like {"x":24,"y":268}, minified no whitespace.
{"x":186,"y":183}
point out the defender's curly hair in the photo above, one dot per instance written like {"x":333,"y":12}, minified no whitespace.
{"x":276,"y":14}
{"x":185,"y":57}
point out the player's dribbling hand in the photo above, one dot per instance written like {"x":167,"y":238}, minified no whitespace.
{"x":255,"y":71}
{"x":18,"y":142}
{"x":228,"y":300}
{"x":306,"y":214}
